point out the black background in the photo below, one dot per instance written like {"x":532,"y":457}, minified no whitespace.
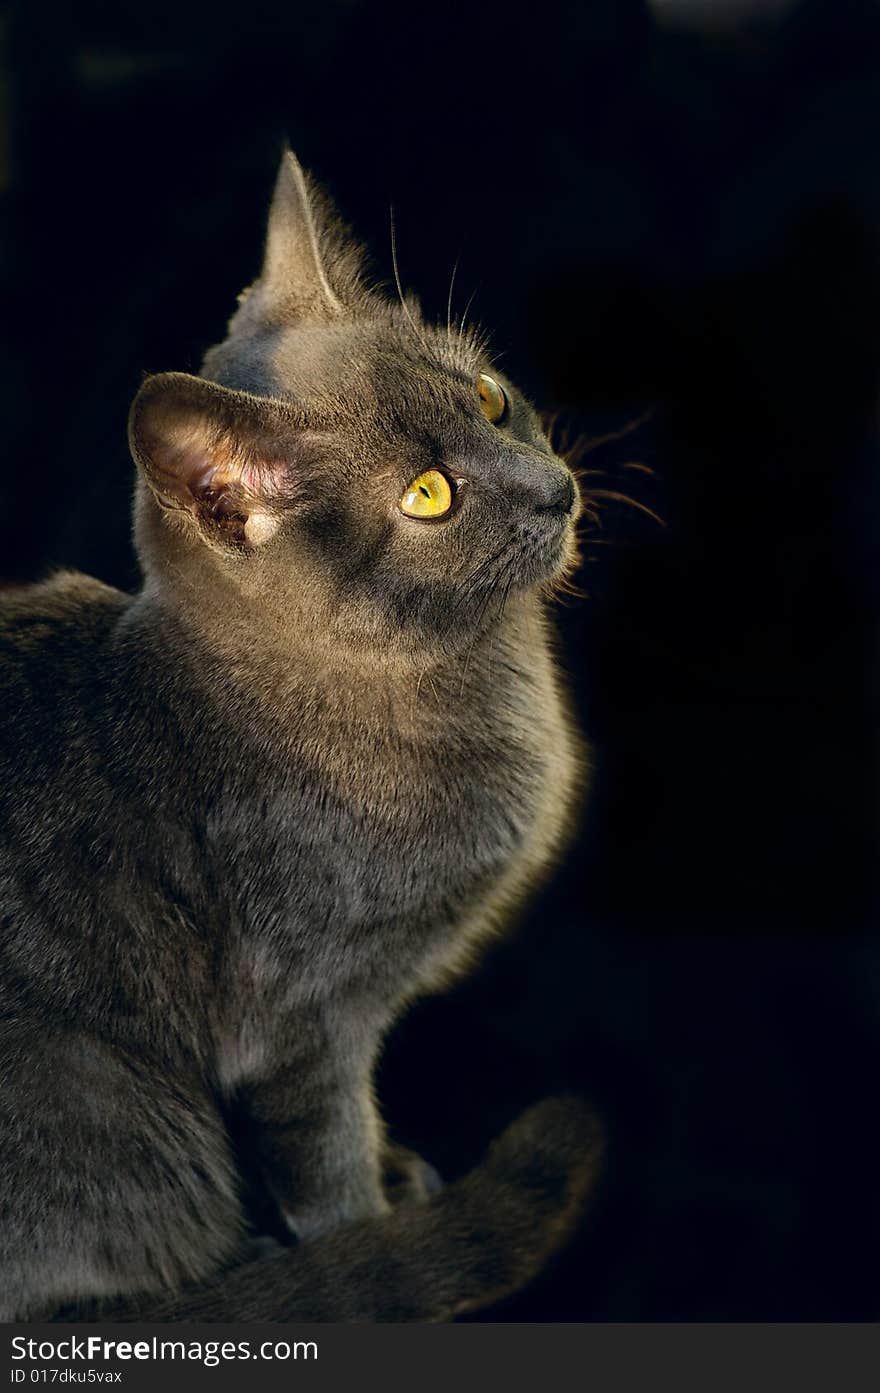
{"x":652,"y":220}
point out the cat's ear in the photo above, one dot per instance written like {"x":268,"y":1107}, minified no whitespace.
{"x":225,"y":458}
{"x":311,"y":264}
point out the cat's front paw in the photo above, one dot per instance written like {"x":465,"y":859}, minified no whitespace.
{"x":343,"y":1206}
{"x":407,"y":1178}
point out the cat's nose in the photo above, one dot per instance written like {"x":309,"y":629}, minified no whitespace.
{"x":540,"y":483}
{"x":558,"y":496}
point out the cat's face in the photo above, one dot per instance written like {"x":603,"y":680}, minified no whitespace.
{"x":341,"y":449}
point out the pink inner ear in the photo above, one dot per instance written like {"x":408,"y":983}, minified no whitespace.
{"x":249,"y":473}
{"x":196,"y":466}
{"x":260,"y":480}
{"x":228,"y":464}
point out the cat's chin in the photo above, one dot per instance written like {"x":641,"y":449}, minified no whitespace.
{"x":548,"y":560}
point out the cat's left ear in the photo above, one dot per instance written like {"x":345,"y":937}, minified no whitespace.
{"x":226,"y":459}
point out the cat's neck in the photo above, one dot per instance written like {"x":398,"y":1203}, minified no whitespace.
{"x":280,"y":672}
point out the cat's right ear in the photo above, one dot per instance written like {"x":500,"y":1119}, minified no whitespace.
{"x":311,"y":266}
{"x":225,"y":458}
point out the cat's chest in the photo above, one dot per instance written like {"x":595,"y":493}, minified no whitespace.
{"x":401,"y":834}
{"x":353,"y":883}
{"x":385,"y":846}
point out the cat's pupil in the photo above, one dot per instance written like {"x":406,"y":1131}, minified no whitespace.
{"x":425,"y":491}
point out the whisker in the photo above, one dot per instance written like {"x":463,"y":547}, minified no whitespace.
{"x":449,"y":302}
{"x":590,"y":541}
{"x":585,"y":445}
{"x":504,"y":595}
{"x":508,"y":583}
{"x":406,"y":309}
{"x":616,"y":497}
{"x":478,"y":624}
{"x":474,"y":578}
{"x":463,"y":320}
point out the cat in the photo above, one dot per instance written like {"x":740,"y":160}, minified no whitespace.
{"x":254,"y":810}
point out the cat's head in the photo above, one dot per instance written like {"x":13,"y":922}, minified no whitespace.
{"x":343,"y":459}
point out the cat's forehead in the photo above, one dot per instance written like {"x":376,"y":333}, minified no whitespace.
{"x":367,"y":367}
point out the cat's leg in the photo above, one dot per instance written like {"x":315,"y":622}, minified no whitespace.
{"x":113,"y":1177}
{"x":317,"y":1133}
{"x":482,"y":1238}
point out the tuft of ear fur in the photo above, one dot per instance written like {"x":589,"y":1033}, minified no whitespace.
{"x":311,"y":267}
{"x":225,"y":458}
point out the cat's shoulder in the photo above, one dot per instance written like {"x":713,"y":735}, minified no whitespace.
{"x":68,"y":601}
{"x":51,"y":635}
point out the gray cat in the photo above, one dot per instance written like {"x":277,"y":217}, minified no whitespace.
{"x":255,"y":809}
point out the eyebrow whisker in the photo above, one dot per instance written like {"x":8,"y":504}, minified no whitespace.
{"x":406,"y":309}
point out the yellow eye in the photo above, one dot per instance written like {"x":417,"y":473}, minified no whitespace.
{"x":428,"y":496}
{"x":493,"y":402}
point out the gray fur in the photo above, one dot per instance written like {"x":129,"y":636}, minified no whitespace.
{"x":253,"y":810}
